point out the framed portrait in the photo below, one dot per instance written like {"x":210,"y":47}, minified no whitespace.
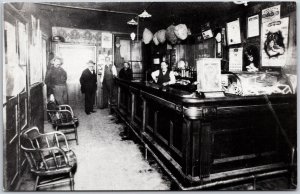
{"x":274,"y":43}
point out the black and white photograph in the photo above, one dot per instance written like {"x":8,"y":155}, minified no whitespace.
{"x":149,"y":95}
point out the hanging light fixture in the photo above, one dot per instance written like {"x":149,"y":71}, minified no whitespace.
{"x":132,"y":22}
{"x":241,"y":2}
{"x":145,"y":14}
{"x":132,"y":36}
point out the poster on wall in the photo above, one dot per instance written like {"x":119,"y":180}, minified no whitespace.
{"x":22,"y":43}
{"x":236,"y":59}
{"x":233,"y":32}
{"x":274,"y":40}
{"x":270,"y":14}
{"x":207,"y":34}
{"x":125,"y":49}
{"x":11,"y":41}
{"x":106,"y":40}
{"x":209,"y":74}
{"x":253,"y":26}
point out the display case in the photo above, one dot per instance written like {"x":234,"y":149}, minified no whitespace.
{"x":260,"y":83}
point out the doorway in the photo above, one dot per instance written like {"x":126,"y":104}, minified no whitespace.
{"x":75,"y":58}
{"x":129,"y":51}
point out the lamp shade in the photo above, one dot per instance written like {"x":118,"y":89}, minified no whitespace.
{"x":58,"y":39}
{"x":147,"y":36}
{"x":181,"y":31}
{"x":132,"y":22}
{"x":145,"y":14}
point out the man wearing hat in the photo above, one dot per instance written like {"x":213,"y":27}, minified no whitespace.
{"x":56,"y":79}
{"x":88,"y":81}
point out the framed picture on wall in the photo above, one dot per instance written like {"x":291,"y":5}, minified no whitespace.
{"x":14,"y":74}
{"x":233,"y":32}
{"x":253,"y":26}
{"x":207,"y":34}
{"x":106,"y":40}
{"x":274,"y":43}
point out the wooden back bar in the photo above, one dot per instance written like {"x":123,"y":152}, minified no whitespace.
{"x":206,"y":142}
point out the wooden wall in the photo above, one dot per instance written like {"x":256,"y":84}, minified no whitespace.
{"x":191,"y":49}
{"x":24,"y":108}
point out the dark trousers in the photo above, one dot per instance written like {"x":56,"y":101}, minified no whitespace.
{"x":108,"y":90}
{"x":89,"y":100}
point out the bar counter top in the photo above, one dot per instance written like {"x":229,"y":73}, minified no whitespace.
{"x":187,"y":98}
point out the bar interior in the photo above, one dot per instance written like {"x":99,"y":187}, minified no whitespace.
{"x":205,"y":91}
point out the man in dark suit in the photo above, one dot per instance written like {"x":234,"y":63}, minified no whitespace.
{"x":125,"y":72}
{"x":88,"y":81}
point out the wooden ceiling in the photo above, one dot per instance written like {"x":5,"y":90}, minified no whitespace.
{"x":92,"y":14}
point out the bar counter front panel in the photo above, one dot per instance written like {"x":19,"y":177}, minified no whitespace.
{"x":204,"y":142}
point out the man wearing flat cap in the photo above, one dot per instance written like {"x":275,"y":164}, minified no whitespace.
{"x":88,"y":81}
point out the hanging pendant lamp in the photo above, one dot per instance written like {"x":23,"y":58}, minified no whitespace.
{"x":132,"y":22}
{"x":145,"y":14}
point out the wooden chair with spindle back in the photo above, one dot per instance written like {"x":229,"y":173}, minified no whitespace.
{"x":64,"y":118}
{"x":49,"y":157}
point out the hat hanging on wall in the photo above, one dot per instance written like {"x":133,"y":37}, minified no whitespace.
{"x":161,"y":36}
{"x":147,"y":36}
{"x":155,"y":40}
{"x":181,"y":31}
{"x":170,"y":34}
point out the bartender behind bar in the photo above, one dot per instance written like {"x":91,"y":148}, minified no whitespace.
{"x":163,"y":76}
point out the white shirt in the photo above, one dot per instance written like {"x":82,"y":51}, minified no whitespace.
{"x":155,"y":74}
{"x":113,"y":69}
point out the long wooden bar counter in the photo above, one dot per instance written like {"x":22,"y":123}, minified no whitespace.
{"x":208,"y":142}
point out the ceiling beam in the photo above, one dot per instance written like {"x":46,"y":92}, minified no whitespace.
{"x":86,"y":8}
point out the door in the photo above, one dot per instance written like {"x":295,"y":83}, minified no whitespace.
{"x":129,"y":51}
{"x":75,"y":58}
